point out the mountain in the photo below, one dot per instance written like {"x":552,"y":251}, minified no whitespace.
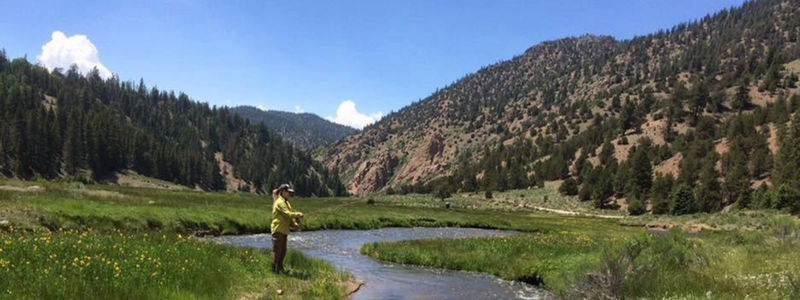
{"x":65,"y":125}
{"x":304,"y":130}
{"x":618,"y":119}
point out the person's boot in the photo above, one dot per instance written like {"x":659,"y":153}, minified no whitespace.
{"x":275,"y":269}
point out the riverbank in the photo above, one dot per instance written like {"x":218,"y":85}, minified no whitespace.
{"x":74,"y":241}
{"x":394,"y":281}
{"x":73,"y":264}
{"x":114,"y":214}
{"x":562,"y":253}
{"x":608,"y":264}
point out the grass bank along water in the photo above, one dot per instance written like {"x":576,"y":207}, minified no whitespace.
{"x":592,"y":262}
{"x":750,"y":253}
{"x":77,"y":265}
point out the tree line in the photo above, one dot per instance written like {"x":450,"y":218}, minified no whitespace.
{"x":64,"y":124}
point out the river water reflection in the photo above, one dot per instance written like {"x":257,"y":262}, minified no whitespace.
{"x":392,"y":281}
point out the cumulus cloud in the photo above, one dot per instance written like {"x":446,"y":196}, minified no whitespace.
{"x":348,"y":115}
{"x":262,"y":107}
{"x":62,"y":52}
{"x":298,"y":110}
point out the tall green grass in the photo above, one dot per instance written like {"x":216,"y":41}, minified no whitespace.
{"x":86,"y":265}
{"x":547,"y":258}
{"x":587,"y":262}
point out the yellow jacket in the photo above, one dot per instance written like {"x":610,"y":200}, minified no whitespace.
{"x":282,"y":216}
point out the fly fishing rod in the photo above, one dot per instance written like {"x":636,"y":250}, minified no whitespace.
{"x":296,"y":224}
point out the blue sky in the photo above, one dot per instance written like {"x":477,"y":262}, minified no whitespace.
{"x":314,"y":55}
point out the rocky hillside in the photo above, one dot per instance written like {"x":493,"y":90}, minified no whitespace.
{"x":568,"y":97}
{"x":304,"y":130}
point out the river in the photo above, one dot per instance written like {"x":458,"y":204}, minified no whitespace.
{"x":392,"y":281}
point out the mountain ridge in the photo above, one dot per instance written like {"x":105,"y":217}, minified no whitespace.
{"x":557,"y":86}
{"x":305,"y":130}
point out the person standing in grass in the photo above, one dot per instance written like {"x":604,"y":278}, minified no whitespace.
{"x":282,"y":218}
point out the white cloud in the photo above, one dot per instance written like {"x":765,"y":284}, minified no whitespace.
{"x":62,"y":52}
{"x":348,"y":115}
{"x":262,"y":107}
{"x":298,"y":110}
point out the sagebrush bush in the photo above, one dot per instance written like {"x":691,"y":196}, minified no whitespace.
{"x":636,"y":266}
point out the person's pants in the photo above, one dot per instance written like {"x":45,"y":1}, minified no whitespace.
{"x":278,"y":251}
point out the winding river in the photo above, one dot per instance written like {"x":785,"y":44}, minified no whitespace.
{"x":393,"y":281}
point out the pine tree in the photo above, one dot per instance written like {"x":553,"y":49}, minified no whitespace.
{"x":72,"y":146}
{"x":603,"y":191}
{"x":737,"y":181}
{"x":615,"y":103}
{"x":641,"y":176}
{"x":621,"y":179}
{"x":761,"y":157}
{"x":787,"y":161}
{"x":217,"y":181}
{"x":683,"y":201}
{"x":709,"y":190}
{"x":660,"y":193}
{"x":742,"y":101}
{"x":607,"y":153}
{"x":699,"y":100}
{"x":771,"y":79}
{"x":761,"y":198}
{"x":589,"y":182}
{"x":785,"y":197}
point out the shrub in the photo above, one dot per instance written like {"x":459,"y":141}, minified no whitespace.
{"x":442,"y":192}
{"x":488,"y":195}
{"x":569,"y":187}
{"x":371,"y":201}
{"x":785,"y":229}
{"x":634,"y":266}
{"x":636,"y":207}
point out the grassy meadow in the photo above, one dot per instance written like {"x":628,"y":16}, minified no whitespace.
{"x":74,"y":241}
{"x":72,"y":264}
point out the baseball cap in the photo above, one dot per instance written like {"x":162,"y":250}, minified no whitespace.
{"x":286,"y":187}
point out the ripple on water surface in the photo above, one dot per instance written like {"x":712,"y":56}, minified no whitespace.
{"x":392,"y":281}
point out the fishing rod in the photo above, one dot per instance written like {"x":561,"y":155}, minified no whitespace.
{"x":296,"y":224}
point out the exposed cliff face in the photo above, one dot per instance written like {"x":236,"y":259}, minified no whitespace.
{"x":373,"y":173}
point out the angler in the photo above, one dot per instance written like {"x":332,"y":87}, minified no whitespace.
{"x":283,"y":217}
